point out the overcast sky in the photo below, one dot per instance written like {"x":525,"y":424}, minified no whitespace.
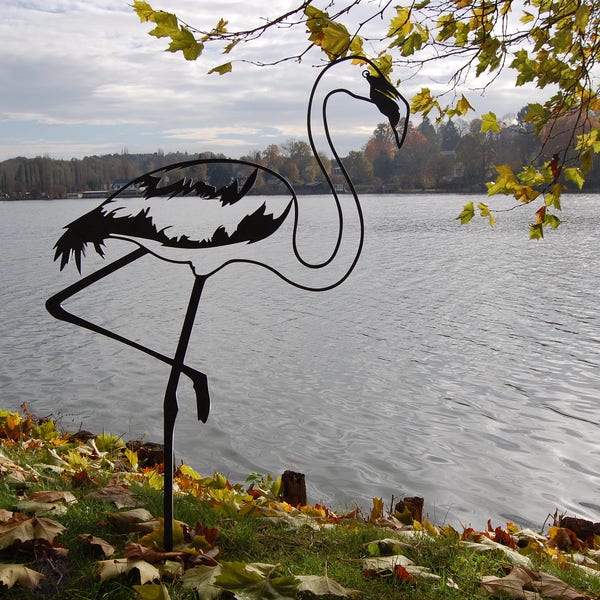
{"x":82,"y":78}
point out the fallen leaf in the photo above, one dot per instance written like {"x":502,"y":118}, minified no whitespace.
{"x":97,"y":542}
{"x":111,"y":569}
{"x":11,"y":574}
{"x":151,"y":555}
{"x":383,"y":565}
{"x":22,"y":528}
{"x":387,"y":546}
{"x":120,"y":495}
{"x":380,"y":564}
{"x":553,"y":587}
{"x":377,"y":510}
{"x":53,"y":496}
{"x":5,"y":515}
{"x":172,"y":569}
{"x":486,"y":545}
{"x":124,"y":520}
{"x":256,"y":581}
{"x":531,"y":585}
{"x":152,"y":591}
{"x":323,"y":586}
{"x":41,"y":509}
{"x":202,"y":580}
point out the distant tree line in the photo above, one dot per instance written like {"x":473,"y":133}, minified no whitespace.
{"x":449,"y":157}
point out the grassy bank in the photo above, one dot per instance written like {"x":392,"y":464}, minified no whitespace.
{"x":80,"y":518}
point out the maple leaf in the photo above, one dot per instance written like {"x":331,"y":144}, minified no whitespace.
{"x":377,"y":510}
{"x":22,"y":529}
{"x":138,"y":552}
{"x":111,"y":569}
{"x":11,"y":574}
{"x":152,"y":591}
{"x":256,"y":581}
{"x":202,"y":579}
{"x":323,"y":586}
{"x":97,"y":542}
{"x":123,"y":521}
{"x":53,"y":496}
{"x":119,"y":494}
{"x":519,"y":581}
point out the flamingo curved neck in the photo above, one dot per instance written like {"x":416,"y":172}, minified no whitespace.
{"x":331,"y":272}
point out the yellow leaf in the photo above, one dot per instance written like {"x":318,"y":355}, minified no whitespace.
{"x":221,"y":69}
{"x":377,"y":510}
{"x":400,"y":25}
{"x":153,"y":591}
{"x":189,"y":472}
{"x":463,"y":106}
{"x":489,"y":122}
{"x":527,"y":17}
{"x":132,"y":457}
{"x":540,"y":214}
{"x":467,"y":213}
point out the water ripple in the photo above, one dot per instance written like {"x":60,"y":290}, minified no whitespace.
{"x":457,"y":363}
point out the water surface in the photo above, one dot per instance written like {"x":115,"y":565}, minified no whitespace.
{"x":458,"y":363}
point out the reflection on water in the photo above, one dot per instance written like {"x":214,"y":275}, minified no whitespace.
{"x":457,"y":363}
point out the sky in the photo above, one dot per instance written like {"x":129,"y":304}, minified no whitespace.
{"x":82,"y":78}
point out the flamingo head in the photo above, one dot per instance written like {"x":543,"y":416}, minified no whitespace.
{"x":387,"y":99}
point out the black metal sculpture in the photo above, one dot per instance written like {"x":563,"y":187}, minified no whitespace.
{"x":209,"y":243}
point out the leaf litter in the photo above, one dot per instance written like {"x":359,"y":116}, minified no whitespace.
{"x":107,"y":471}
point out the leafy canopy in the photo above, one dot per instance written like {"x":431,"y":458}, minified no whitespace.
{"x":550,"y":44}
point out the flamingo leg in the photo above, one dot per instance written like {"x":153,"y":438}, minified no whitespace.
{"x":55,"y":308}
{"x":171,"y":407}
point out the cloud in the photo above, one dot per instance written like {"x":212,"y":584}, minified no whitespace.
{"x":85,"y":78}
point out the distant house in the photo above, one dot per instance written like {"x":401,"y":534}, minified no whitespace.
{"x":130,"y":190}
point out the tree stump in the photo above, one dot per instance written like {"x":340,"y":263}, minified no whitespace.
{"x":293,"y":488}
{"x":583,"y":529}
{"x":414,"y":505}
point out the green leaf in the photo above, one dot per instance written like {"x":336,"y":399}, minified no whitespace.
{"x":143,"y":10}
{"x":221,"y":69}
{"x":467,"y":213}
{"x":489,"y":122}
{"x":166,"y":24}
{"x":256,"y":581}
{"x":552,"y":220}
{"x":575,"y":175}
{"x":536,"y":232}
{"x":587,"y":161}
{"x":335,"y":40}
{"x":152,"y":591}
{"x":183,"y":39}
{"x":202,"y":579}
{"x":484,"y":211}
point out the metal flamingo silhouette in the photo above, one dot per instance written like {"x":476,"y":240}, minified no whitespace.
{"x":222,"y":226}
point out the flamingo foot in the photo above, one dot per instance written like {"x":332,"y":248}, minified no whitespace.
{"x":200,"y":382}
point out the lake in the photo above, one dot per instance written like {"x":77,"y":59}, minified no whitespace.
{"x":457,"y":363}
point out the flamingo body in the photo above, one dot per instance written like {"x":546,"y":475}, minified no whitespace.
{"x":208,"y":217}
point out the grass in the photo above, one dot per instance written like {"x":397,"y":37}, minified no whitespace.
{"x":251,"y":526}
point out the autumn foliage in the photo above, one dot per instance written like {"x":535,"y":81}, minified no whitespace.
{"x":38,"y":550}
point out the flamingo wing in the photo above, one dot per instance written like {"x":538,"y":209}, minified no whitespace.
{"x":177,"y":212}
